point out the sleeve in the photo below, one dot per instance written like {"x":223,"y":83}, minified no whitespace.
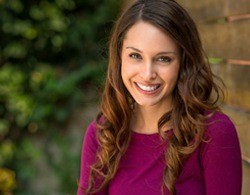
{"x":88,"y":156}
{"x":221,"y":159}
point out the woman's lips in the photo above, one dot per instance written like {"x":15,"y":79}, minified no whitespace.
{"x":147,"y":88}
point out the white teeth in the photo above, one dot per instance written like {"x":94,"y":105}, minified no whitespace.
{"x":147,"y":88}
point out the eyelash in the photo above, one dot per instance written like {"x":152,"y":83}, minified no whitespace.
{"x":135,"y":56}
{"x":164,"y":59}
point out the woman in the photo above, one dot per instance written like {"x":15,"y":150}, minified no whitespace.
{"x":159,"y":130}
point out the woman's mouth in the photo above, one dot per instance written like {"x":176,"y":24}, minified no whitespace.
{"x":148,"y":88}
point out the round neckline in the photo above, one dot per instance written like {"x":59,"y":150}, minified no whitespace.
{"x":145,"y":135}
{"x":138,"y":135}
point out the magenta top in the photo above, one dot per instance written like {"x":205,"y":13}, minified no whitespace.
{"x":214,"y":168}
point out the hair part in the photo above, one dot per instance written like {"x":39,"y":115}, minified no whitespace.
{"x":195,"y":95}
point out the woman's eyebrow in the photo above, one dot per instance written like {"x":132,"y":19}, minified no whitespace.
{"x":133,"y":48}
{"x":160,"y":53}
{"x":167,"y":52}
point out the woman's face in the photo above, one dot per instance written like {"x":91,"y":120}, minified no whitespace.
{"x":150,"y":65}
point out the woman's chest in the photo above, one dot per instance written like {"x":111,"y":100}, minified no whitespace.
{"x":141,"y":172}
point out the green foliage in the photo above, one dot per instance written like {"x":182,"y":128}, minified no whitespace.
{"x":7,"y":181}
{"x":51,"y":52}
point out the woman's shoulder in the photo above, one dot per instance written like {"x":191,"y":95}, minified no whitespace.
{"x":90,"y":139}
{"x":91,"y":129}
{"x":219,"y":128}
{"x":220,"y":138}
{"x":218,"y":121}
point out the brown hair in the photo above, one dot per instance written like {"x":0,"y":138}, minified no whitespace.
{"x":194,"y":95}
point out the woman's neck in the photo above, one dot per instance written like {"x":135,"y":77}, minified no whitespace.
{"x":145,"y":119}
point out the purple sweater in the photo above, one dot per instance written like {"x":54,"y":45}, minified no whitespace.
{"x":214,"y":168}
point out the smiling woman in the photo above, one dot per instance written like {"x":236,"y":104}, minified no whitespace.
{"x":150,"y":73}
{"x":159,"y":129}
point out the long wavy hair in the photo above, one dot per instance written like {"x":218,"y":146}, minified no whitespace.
{"x":195,"y":94}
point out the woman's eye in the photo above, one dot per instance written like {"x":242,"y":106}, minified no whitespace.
{"x":164,"y":59}
{"x":135,"y":56}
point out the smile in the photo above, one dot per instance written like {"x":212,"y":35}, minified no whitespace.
{"x":148,"y":88}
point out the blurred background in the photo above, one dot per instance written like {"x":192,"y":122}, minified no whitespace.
{"x":53,"y":57}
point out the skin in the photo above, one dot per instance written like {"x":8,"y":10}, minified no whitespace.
{"x":149,"y":70}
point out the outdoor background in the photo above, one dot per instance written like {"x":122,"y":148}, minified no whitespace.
{"x":53,"y":56}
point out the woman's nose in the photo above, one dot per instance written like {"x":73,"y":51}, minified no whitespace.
{"x":148,"y":71}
